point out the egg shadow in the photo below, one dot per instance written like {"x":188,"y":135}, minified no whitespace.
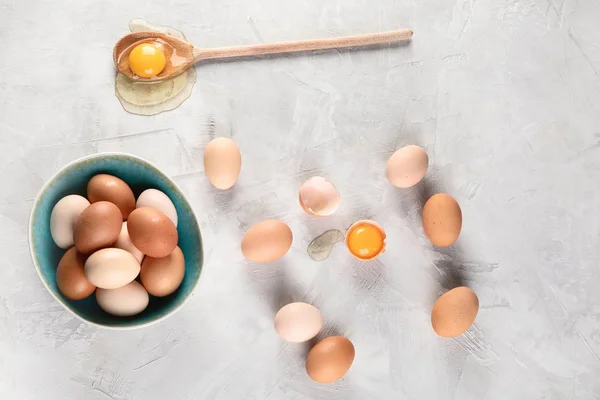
{"x":270,"y":282}
{"x":224,"y":199}
{"x":450,"y":268}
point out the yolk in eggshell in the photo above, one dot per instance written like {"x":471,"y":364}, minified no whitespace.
{"x":365,"y":241}
{"x":147,"y":60}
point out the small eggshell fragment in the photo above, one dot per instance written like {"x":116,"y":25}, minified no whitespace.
{"x":70,"y":276}
{"x":124,"y":242}
{"x":152,"y":232}
{"x":162,"y":276}
{"x":267,"y":241}
{"x":407,"y":166}
{"x":104,"y":187}
{"x":125,"y":301}
{"x":159,"y":201}
{"x":330,"y":359}
{"x":97,"y":227}
{"x":111,"y":268}
{"x":63,"y":218}
{"x":298,"y":322}
{"x":222,"y":162}
{"x":454,"y":312}
{"x":442,"y":220}
{"x":318,"y":197}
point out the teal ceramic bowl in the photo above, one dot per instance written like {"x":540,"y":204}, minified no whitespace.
{"x":140,"y":175}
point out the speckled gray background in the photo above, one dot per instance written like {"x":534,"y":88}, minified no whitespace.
{"x":503,"y":94}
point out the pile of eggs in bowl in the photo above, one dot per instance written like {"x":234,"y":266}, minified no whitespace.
{"x":112,"y":240}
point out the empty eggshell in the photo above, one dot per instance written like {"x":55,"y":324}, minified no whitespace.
{"x":162,"y":276}
{"x":267,"y":241}
{"x":222,"y":162}
{"x":104,"y":187}
{"x":70,"y":276}
{"x":330,"y":359}
{"x":152,"y":232}
{"x":298,"y":322}
{"x":63,"y":218}
{"x":159,"y":201}
{"x":97,"y":227}
{"x":442,"y":219}
{"x":318,"y":197}
{"x":124,"y":242}
{"x":111,"y":268}
{"x":125,"y":301}
{"x":407,"y":166}
{"x":454,"y":312}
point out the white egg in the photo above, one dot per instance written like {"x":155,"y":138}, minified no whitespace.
{"x":125,"y":301}
{"x":111,"y":268}
{"x":124,"y":242}
{"x":159,"y":201}
{"x":63,"y":218}
{"x":298,"y":322}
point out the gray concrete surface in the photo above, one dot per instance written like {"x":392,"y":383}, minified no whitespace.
{"x":503,"y":94}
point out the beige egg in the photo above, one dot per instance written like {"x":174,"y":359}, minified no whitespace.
{"x":267,"y":241}
{"x":104,"y":187}
{"x":124,"y":242}
{"x":222,"y":163}
{"x":454,"y":312}
{"x":162,"y":276}
{"x":63,"y":218}
{"x":318,"y":197}
{"x":156,"y":199}
{"x":442,"y":220}
{"x":330,"y":359}
{"x":111,"y":268}
{"x":298,"y":322}
{"x":407,"y":166}
{"x":125,"y":301}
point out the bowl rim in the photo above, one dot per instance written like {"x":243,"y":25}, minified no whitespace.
{"x":36,"y":202}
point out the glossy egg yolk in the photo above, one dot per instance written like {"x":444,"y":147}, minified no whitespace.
{"x":147,"y":60}
{"x":365,"y":241}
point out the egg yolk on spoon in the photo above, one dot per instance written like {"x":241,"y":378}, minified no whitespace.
{"x":147,"y":60}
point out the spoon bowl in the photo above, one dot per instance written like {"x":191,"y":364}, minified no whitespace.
{"x":178,"y":53}
{"x":181,"y":55}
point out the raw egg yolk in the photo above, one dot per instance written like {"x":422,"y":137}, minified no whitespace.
{"x":365,"y":241}
{"x":147,"y":60}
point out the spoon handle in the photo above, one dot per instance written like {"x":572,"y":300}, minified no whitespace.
{"x":306,"y":45}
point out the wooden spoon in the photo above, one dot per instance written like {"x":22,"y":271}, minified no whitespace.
{"x":181,"y":55}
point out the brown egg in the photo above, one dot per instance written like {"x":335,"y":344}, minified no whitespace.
{"x":105,"y":187}
{"x":442,"y":220}
{"x":70,"y":276}
{"x":152,"y":232}
{"x":97,"y":227}
{"x":267,"y":241}
{"x":162,"y":276}
{"x":454,"y":312}
{"x":330,"y":359}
